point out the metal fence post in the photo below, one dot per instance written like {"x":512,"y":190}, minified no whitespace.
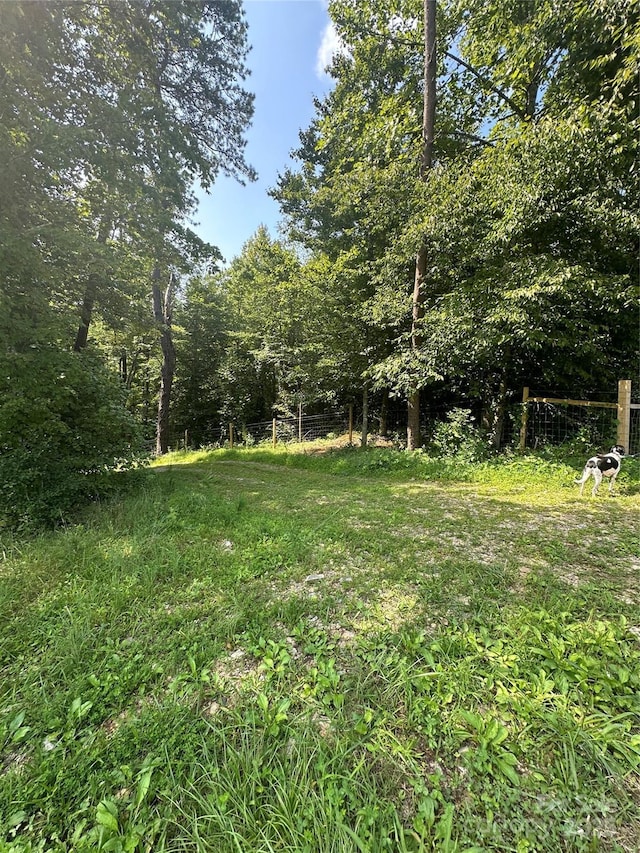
{"x":365,"y":417}
{"x":525,"y":418}
{"x":624,"y":413}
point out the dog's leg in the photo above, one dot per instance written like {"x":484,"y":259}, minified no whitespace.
{"x":612,"y":480}
{"x":585,"y":476}
{"x":597,"y":476}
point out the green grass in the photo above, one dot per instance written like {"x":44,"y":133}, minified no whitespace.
{"x":266,"y":650}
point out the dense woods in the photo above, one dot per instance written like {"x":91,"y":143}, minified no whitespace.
{"x":109,"y":113}
{"x":120,"y":326}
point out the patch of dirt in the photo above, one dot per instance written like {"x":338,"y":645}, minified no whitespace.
{"x":342,"y":441}
{"x":14,"y":762}
{"x":236,"y":672}
{"x":112,"y":724}
{"x":390,"y":609}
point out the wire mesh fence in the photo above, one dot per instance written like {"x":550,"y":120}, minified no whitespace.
{"x":634,"y":429}
{"x":596,"y":423}
{"x":557,"y":423}
{"x":538,"y":422}
{"x":283,"y":430}
{"x":300,"y":428}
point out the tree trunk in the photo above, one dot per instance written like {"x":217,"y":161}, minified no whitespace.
{"x":428,"y":134}
{"x":430,"y":72}
{"x":414,"y":439}
{"x":88,"y":301}
{"x":162,"y":309}
{"x":499,"y":413}
{"x":86,"y":311}
{"x":413,"y":422}
{"x":532,"y":90}
{"x":384,"y":413}
{"x":494,"y":409}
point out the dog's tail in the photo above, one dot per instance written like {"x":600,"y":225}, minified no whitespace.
{"x":587,"y":471}
{"x":585,"y":474}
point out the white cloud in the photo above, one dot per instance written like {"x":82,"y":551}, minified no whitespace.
{"x":329,"y":47}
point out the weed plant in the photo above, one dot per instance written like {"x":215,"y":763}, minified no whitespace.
{"x":327,"y":651}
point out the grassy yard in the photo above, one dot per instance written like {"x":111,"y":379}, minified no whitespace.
{"x":345,"y":651}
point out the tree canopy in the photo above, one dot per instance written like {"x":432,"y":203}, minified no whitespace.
{"x":530,"y":210}
{"x":527,"y":219}
{"x":110,"y":113}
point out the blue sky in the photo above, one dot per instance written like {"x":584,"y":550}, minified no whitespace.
{"x":291,"y":42}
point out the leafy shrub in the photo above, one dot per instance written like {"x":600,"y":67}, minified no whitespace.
{"x":459,"y":436}
{"x":63,"y":429}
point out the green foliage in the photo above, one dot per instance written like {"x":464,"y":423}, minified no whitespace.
{"x":528,"y":215}
{"x":531,"y":288}
{"x":64,"y":431}
{"x":268,"y":328}
{"x":288,"y":342}
{"x":459,"y":436}
{"x":201,"y":339}
{"x":109,"y":115}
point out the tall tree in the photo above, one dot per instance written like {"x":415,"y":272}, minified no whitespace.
{"x":269,"y":305}
{"x":526,"y":263}
{"x":528,"y":213}
{"x":426,"y":160}
{"x":109,"y":113}
{"x":356,"y":187}
{"x":175,"y":105}
{"x":163,"y":313}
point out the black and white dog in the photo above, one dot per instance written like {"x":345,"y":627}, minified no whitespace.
{"x":602,"y":465}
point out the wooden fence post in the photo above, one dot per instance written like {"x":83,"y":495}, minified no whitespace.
{"x":624,"y":413}
{"x":231,"y":436}
{"x":350,"y":423}
{"x":525,"y":418}
{"x":300,"y":421}
{"x":274,"y":436}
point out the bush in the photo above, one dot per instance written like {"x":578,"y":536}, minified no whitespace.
{"x":64,"y":429}
{"x":459,"y":436}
